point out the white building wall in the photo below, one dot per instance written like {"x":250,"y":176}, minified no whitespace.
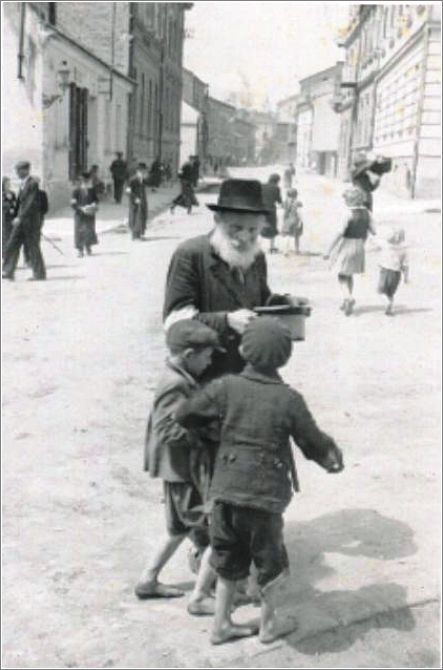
{"x":22,"y":123}
{"x":326,"y":125}
{"x":304,"y":134}
{"x":107,"y":119}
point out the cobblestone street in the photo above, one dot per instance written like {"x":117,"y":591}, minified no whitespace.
{"x":81,"y":356}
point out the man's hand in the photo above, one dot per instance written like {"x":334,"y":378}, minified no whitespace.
{"x":16,"y":221}
{"x":334,"y":461}
{"x":137,"y":201}
{"x":239,"y":319}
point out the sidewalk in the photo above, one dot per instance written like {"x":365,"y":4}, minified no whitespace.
{"x":110,"y":216}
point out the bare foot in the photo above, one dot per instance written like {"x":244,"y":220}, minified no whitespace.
{"x":201,"y":606}
{"x":232,"y":631}
{"x":275,"y":629}
{"x":154,"y":589}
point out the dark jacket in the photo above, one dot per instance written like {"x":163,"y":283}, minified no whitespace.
{"x":271,"y":195}
{"x":138,"y":212}
{"x":167,"y":447}
{"x":198,"y":276}
{"x":187,"y":172}
{"x":258,"y":415}
{"x":119,"y":169}
{"x":28,"y":204}
{"x":362,"y":180}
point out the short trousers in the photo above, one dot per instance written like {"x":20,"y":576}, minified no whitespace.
{"x":241,"y":536}
{"x":184,"y":513}
{"x":388,"y":282}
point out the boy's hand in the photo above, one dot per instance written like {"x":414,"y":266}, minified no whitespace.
{"x":334,"y":461}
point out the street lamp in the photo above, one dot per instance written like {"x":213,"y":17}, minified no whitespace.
{"x":63,"y":83}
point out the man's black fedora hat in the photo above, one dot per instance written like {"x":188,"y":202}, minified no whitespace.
{"x":240,"y":195}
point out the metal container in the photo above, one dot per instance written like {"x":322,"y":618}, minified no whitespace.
{"x":292,"y":315}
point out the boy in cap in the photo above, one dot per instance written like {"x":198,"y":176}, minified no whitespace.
{"x":168,"y":451}
{"x":251,"y":486}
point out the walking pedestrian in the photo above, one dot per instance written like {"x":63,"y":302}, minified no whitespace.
{"x":97,"y":183}
{"x":119,"y":171}
{"x":292,"y":228}
{"x":288,"y":175}
{"x":186,"y":198}
{"x":348,"y":247}
{"x":254,"y":466}
{"x":26,"y":227}
{"x":169,"y":454}
{"x":168,"y":174}
{"x":9,"y":210}
{"x":84,"y":202}
{"x":138,"y":202}
{"x":362,"y":177}
{"x":195,"y":171}
{"x":393,"y":264}
{"x":155,"y":174}
{"x":271,"y":196}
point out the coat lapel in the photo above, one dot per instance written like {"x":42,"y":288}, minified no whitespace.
{"x":222,"y":272}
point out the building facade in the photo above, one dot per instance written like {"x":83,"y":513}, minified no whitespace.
{"x":286,"y":130}
{"x":221,"y":118}
{"x":265,"y":149}
{"x":244,"y":140}
{"x":70,"y":86}
{"x":195,"y":95}
{"x":390,"y":100}
{"x":90,"y":79}
{"x":317,"y":125}
{"x":156,"y":59}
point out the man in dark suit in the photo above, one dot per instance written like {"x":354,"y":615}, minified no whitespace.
{"x":119,"y":171}
{"x":219,"y":278}
{"x":26,"y":226}
{"x":138,"y":202}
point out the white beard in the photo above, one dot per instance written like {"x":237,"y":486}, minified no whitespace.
{"x":234,"y":258}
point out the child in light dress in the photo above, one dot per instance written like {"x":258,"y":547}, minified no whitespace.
{"x":393,"y":263}
{"x":347,"y":251}
{"x":292,"y":228}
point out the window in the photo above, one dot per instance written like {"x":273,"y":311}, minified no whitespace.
{"x":150,"y":108}
{"x":142,"y":105}
{"x":52,"y":13}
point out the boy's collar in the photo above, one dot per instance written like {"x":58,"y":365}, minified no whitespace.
{"x":175,"y":365}
{"x":256,"y":375}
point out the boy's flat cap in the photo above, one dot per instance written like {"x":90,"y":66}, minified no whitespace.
{"x":191,"y":334}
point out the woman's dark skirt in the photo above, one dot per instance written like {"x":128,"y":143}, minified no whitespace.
{"x":270,"y":229}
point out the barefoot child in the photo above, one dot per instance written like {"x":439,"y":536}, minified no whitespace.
{"x":254,"y":466}
{"x":393,"y":263}
{"x":292,"y":228}
{"x":168,"y":456}
{"x":348,"y":247}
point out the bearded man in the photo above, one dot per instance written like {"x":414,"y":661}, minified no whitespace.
{"x":219,"y":278}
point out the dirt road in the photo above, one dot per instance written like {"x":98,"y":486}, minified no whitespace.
{"x":81,"y":355}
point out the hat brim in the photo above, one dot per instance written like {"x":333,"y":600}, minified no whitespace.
{"x":238,"y":210}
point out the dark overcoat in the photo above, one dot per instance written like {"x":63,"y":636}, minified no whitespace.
{"x":138,"y":212}
{"x":198,"y":276}
{"x":84,"y":224}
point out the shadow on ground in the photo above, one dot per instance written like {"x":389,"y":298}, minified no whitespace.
{"x":355,"y":532}
{"x":401,"y":309}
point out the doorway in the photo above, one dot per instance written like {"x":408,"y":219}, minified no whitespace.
{"x":78,"y":131}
